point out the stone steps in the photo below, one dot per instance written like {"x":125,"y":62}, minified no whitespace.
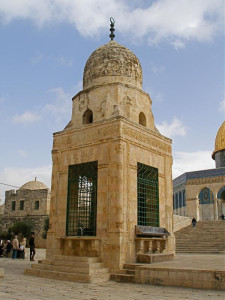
{"x":67,"y":276}
{"x":122,"y":277}
{"x":71,"y":263}
{"x":127,"y":274}
{"x":88,"y":270}
{"x":71,"y":268}
{"x":207,"y":237}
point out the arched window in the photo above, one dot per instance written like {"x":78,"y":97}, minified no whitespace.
{"x":206,"y":196}
{"x":88,"y":117}
{"x":142,"y":119}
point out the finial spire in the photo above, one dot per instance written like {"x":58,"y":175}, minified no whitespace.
{"x":112,"y":29}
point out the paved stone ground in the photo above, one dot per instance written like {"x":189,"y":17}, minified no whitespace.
{"x":194,"y":262}
{"x":16,"y":286}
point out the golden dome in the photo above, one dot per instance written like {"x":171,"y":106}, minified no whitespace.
{"x":220,"y":140}
{"x":33,"y":185}
{"x":110,"y":63}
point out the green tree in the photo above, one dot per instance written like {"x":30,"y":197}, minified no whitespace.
{"x":24,"y":227}
{"x":45,"y":227}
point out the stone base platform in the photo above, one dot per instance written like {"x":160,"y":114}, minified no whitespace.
{"x":71,"y":268}
{"x":193,"y":271}
{"x":1,"y":272}
{"x":154,"y":258}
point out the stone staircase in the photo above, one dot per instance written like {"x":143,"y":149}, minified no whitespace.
{"x":207,"y":237}
{"x":71,"y":268}
{"x":125,"y":275}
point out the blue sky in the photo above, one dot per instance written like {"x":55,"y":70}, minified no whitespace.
{"x":43,"y":50}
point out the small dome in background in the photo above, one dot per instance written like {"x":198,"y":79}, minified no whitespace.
{"x":110,"y":63}
{"x":34,"y":185}
{"x":220,"y":140}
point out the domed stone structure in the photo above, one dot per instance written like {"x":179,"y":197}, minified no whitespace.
{"x":30,"y":202}
{"x":110,"y":63}
{"x":33,"y":185}
{"x":202,"y":193}
{"x":219,"y":152}
{"x":110,"y":164}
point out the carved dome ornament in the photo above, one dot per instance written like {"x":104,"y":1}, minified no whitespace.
{"x":110,"y":63}
{"x":220,"y":140}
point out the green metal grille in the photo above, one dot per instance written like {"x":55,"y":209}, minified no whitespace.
{"x":148,"y":195}
{"x":82,"y":199}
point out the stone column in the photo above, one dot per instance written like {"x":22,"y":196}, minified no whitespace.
{"x":215,"y":207}
{"x":193,"y":208}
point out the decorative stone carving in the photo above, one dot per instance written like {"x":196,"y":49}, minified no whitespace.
{"x":146,"y":139}
{"x":113,"y":59}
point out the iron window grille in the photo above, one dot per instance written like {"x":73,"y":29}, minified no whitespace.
{"x":22,"y":205}
{"x":148,"y":195}
{"x":13,"y":205}
{"x":82,"y":199}
{"x":36,"y":205}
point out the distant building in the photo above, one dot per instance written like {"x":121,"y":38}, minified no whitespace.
{"x":31,"y":201}
{"x":201,"y":194}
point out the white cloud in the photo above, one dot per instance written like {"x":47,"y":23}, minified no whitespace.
{"x":222,"y":106}
{"x":178,"y":44}
{"x":19,"y":176}
{"x":157,"y":69}
{"x":176,"y":21}
{"x":26,"y":118}
{"x":175,"y":128}
{"x":60,"y":108}
{"x":191,"y":161}
{"x":22,"y":153}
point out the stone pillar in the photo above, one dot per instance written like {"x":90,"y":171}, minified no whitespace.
{"x":215,"y":207}
{"x":193,"y":208}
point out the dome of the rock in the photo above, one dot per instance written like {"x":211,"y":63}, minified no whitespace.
{"x":220,"y":140}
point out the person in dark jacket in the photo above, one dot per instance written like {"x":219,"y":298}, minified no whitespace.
{"x":32,"y":247}
{"x":194,"y":222}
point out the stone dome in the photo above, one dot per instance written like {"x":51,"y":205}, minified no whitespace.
{"x":33,"y":185}
{"x":220,"y":140}
{"x":110,"y":63}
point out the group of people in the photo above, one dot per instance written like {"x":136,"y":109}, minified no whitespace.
{"x":17,"y":248}
{"x":5,"y":248}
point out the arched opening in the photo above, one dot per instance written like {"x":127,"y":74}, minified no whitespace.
{"x":221,"y":202}
{"x":87,"y":117}
{"x":221,"y":194}
{"x":142,"y":119}
{"x":206,"y":207}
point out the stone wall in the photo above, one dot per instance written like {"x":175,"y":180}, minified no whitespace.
{"x":30,"y":198}
{"x":6,"y":222}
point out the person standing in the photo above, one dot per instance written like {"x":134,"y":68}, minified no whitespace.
{"x":23,"y":246}
{"x":32,"y":247}
{"x":194,"y":222}
{"x":15,"y":244}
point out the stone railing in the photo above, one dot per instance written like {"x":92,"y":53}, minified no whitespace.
{"x":80,"y":246}
{"x":150,"y":245}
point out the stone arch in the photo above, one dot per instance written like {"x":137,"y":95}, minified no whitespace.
{"x":221,"y":194}
{"x":205,"y":196}
{"x":206,"y":204}
{"x":87,"y":117}
{"x":142,"y":119}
